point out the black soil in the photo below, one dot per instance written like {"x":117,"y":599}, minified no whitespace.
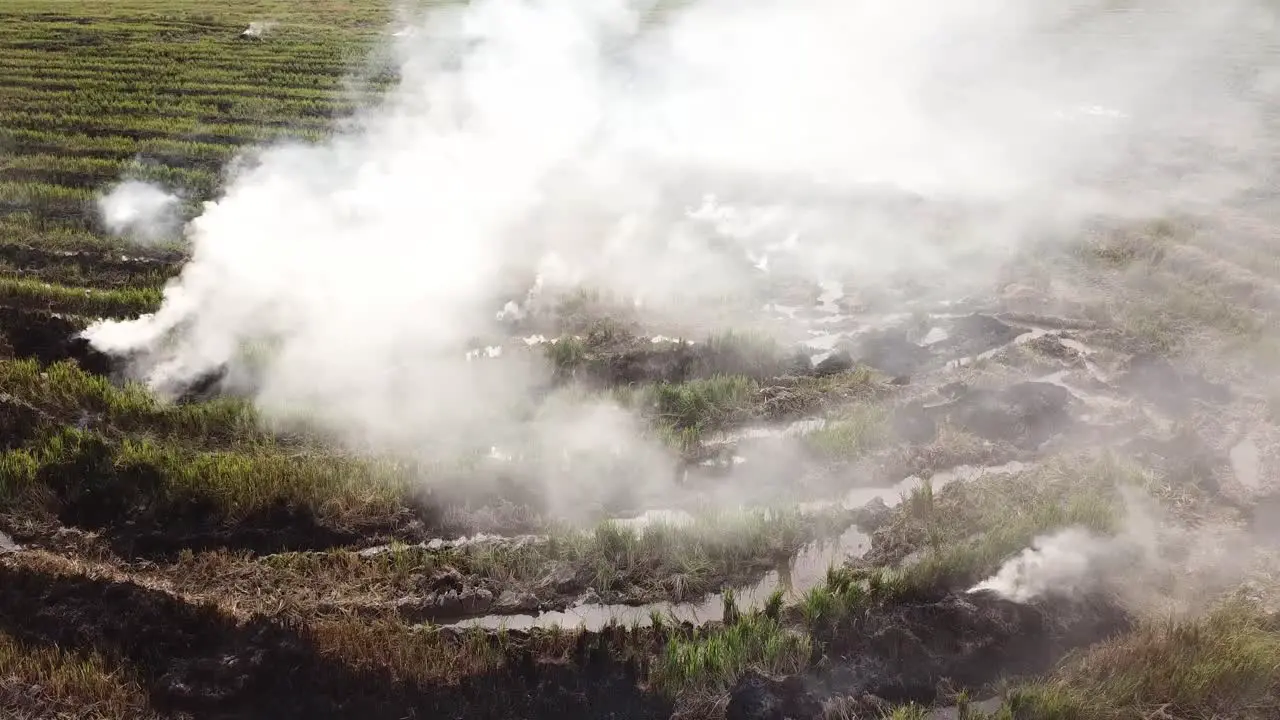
{"x":196,"y":662}
{"x":20,"y":422}
{"x":906,"y":652}
{"x":50,"y":338}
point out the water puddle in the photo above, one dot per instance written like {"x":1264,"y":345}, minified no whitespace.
{"x":490,"y":351}
{"x":824,"y":340}
{"x":787,"y":311}
{"x":672,"y":518}
{"x":934,"y":336}
{"x":801,"y":573}
{"x":1092,"y":399}
{"x":760,"y":432}
{"x":798,"y":575}
{"x":1246,"y":463}
{"x":891,"y":496}
{"x":1024,"y":338}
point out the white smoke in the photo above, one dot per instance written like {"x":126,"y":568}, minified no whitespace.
{"x":141,"y":211}
{"x":1064,"y":563}
{"x":586,"y":131}
{"x":259,"y":28}
{"x":1154,"y":560}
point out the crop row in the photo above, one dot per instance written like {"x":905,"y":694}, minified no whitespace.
{"x":230,"y":109}
{"x":285,"y":82}
{"x":141,"y":59}
{"x":121,"y":302}
{"x":44,"y":36}
{"x":142,"y":128}
{"x":24,"y":227}
{"x":197,"y":12}
{"x":79,"y":171}
{"x":79,"y":144}
{"x":194,"y":83}
{"x":12,"y":193}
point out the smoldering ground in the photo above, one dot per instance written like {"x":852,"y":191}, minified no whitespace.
{"x":571,"y":141}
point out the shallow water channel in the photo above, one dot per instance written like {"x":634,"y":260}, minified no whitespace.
{"x":798,"y":575}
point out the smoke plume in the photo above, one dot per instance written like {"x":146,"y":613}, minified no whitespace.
{"x":1153,"y":561}
{"x":259,"y":28}
{"x":573,"y":141}
{"x":141,"y":211}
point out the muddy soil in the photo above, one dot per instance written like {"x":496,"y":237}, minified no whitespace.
{"x":622,"y":358}
{"x":1172,"y":389}
{"x":905,"y":652}
{"x":925,"y":344}
{"x":1024,"y":415}
{"x":196,"y":662}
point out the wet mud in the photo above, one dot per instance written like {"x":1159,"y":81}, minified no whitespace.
{"x":1173,"y":389}
{"x":1024,"y":414}
{"x":913,"y":347}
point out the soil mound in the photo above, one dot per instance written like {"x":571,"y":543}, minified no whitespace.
{"x":1024,"y":415}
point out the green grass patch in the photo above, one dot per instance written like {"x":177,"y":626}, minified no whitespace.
{"x":706,"y":404}
{"x":852,"y":433}
{"x":937,"y":541}
{"x":83,"y":475}
{"x":979,"y":518}
{"x":65,"y":391}
{"x":116,"y":302}
{"x":712,"y":660}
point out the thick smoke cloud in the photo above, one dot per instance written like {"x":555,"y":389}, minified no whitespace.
{"x":570,"y":140}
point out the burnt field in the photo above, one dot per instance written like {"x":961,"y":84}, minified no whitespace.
{"x":262,"y":470}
